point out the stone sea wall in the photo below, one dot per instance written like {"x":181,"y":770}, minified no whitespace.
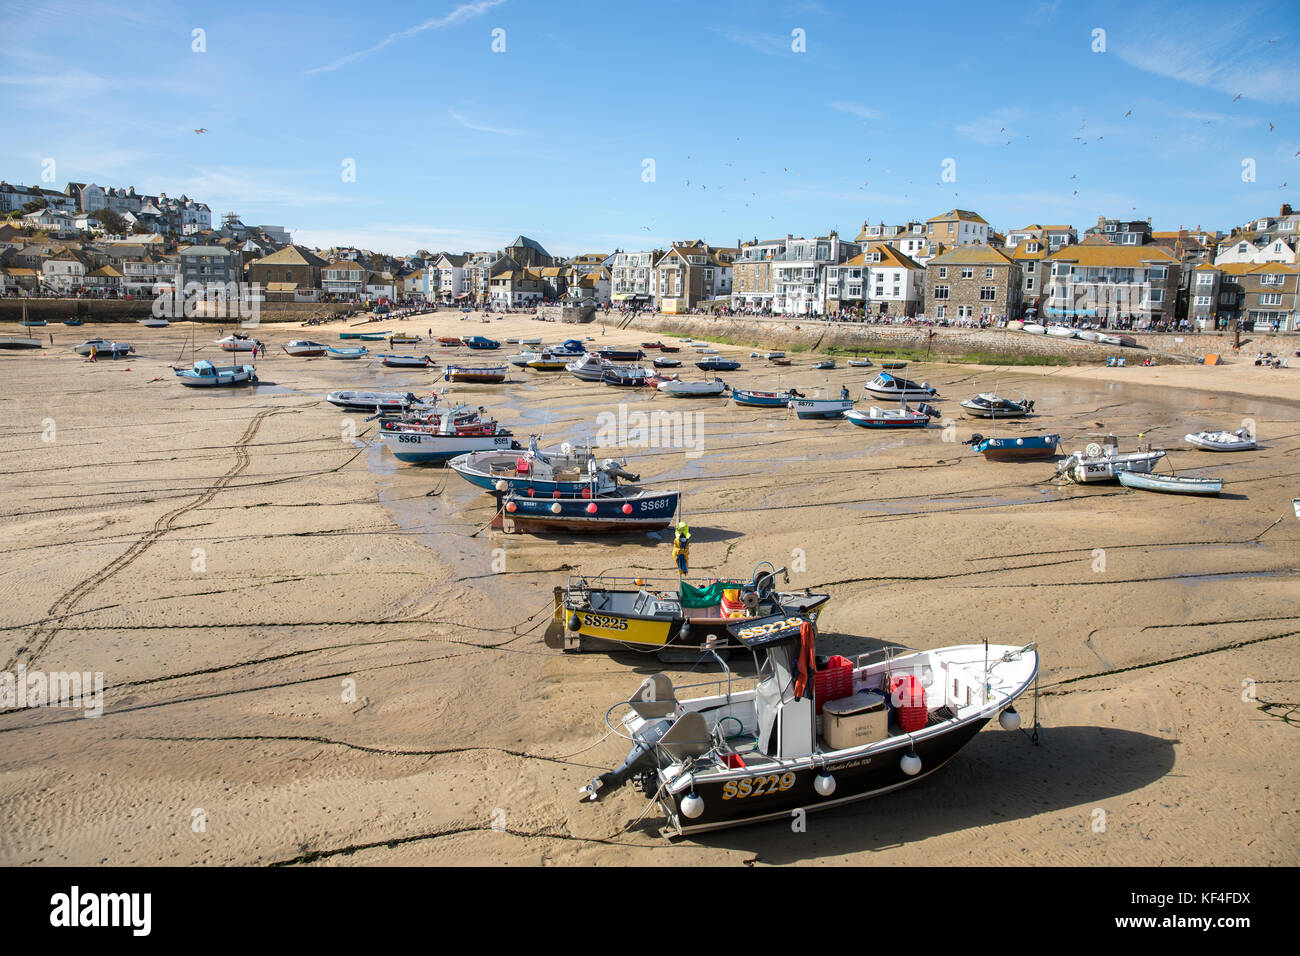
{"x":123,"y":310}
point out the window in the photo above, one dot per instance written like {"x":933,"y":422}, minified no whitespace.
{"x":967,"y":272}
{"x":939,"y":312}
{"x":1158,"y":272}
{"x":1204,"y":299}
{"x":1270,"y":298}
{"x":1029,"y":283}
{"x":1157,"y":295}
{"x":1205,"y":278}
{"x":941,"y":292}
{"x":988,"y":273}
{"x":1227,"y":298}
{"x":943,"y":272}
{"x":987,"y":293}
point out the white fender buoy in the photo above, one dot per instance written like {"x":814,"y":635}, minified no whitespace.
{"x":1009,"y":719}
{"x":911,"y":764}
{"x":566,"y":449}
{"x":692,"y":805}
{"x":824,"y":784}
{"x":502,"y":484}
{"x":555,"y":508}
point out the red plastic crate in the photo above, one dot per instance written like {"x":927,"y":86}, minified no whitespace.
{"x":834,"y":682}
{"x":908,"y":696}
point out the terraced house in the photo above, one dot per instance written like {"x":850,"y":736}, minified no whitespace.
{"x":799,"y":280}
{"x":1097,"y":279}
{"x":692,"y":272}
{"x":632,"y":277}
{"x":293,"y":274}
{"x":344,"y":279}
{"x":971,"y":283}
{"x":751,"y":286}
{"x":957,"y":227}
{"x":880,"y":279}
{"x":1261,"y":296}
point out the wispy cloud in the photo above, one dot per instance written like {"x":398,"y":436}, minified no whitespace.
{"x":1231,"y":56}
{"x":466,"y":11}
{"x":856,"y":109}
{"x":991,"y":128}
{"x":764,"y":43}
{"x":470,"y":124}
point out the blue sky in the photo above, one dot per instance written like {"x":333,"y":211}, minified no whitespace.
{"x":458,"y":147}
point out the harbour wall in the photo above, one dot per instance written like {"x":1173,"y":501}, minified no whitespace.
{"x":130,"y":310}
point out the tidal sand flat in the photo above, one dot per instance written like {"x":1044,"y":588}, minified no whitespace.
{"x":313,"y":655}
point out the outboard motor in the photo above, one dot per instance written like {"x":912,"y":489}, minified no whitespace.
{"x":611,"y":467}
{"x":640,"y":759}
{"x":974,"y":439}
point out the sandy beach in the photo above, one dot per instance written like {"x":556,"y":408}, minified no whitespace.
{"x":314,"y":655}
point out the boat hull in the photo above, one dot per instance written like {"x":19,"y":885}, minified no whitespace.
{"x":423,"y":448}
{"x":652,"y":512}
{"x":224,"y":377}
{"x":476,"y":376}
{"x":760,"y":399}
{"x":1171,"y":484}
{"x":821,"y":408}
{"x":891,"y":421}
{"x":856,"y":778}
{"x":1035,"y":448}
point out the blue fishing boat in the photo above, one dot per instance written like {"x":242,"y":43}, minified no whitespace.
{"x":206,"y":375}
{"x":1171,"y":484}
{"x":905,"y":416}
{"x":481,"y":343}
{"x":569,"y":347}
{"x":1023,"y":448}
{"x":596,"y":514}
{"x":568,"y":472}
{"x":73,"y":322}
{"x":756,"y":399}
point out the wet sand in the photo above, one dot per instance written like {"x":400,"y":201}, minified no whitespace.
{"x":236,"y":562}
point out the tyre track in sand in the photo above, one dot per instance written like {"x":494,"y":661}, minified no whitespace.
{"x":61,"y":608}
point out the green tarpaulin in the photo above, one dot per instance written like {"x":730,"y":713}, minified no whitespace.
{"x":710,"y":596}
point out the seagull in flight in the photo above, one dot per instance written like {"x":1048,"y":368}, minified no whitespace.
{"x":200,"y":131}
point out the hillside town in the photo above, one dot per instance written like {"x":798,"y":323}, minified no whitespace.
{"x":954,"y":268}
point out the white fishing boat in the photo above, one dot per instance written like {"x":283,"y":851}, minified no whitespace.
{"x":888,"y":385}
{"x":304,"y":348}
{"x":104,"y":347}
{"x":798,"y":739}
{"x":1105,"y":462}
{"x":1240,"y":440}
{"x":19,"y":342}
{"x":443,"y":437}
{"x":694,"y":389}
{"x":989,"y":405}
{"x":824,"y":408}
{"x":237,"y":342}
{"x":590,"y":367}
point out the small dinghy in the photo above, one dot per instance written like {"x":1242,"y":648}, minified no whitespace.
{"x":988,"y":405}
{"x":1104,"y":462}
{"x":448,"y":341}
{"x":305,"y":348}
{"x":860,"y":363}
{"x":407,"y":361}
{"x":755,"y":399}
{"x":625,"y":376}
{"x":74,"y":322}
{"x":652,"y":345}
{"x":1062,"y":331}
{"x":153,"y":323}
{"x":667,"y":363}
{"x":662,"y":616}
{"x":1034,"y":327}
{"x":105,"y":348}
{"x":1024,"y":448}
{"x":14,"y":342}
{"x":367,"y":401}
{"x":1090,"y":335}
{"x":658,"y":378}
{"x":586,"y":514}
{"x":821,"y":408}
{"x":670,"y":348}
{"x":902,"y":417}
{"x":717,"y":365}
{"x":1171,"y":484}
{"x":480,"y":375}
{"x":1240,"y":440}
{"x":589,"y":368}
{"x":890,"y":386}
{"x":349,"y":335}
{"x":770,"y":356}
{"x":1122,"y":340}
{"x":569,"y":471}
{"x":347,"y":355}
{"x":829,"y":364}
{"x":893,"y":366}
{"x":536,"y":341}
{"x":795,"y":742}
{"x":237,"y":342}
{"x":206,"y":375}
{"x":373,"y":336}
{"x":694,"y":389}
